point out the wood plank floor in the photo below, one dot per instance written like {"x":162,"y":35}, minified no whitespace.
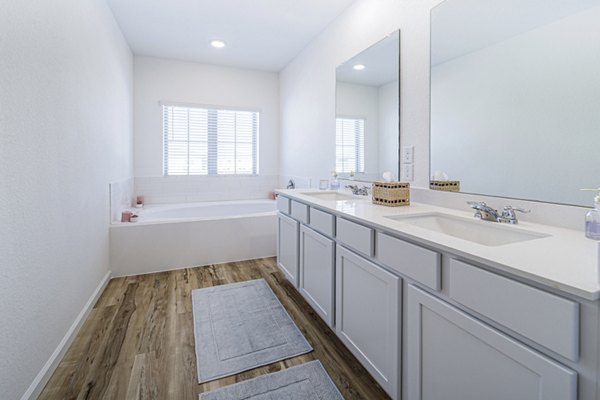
{"x":138,"y":342}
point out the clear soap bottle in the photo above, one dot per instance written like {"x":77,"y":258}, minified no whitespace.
{"x":592,"y":219}
{"x":335,"y":183}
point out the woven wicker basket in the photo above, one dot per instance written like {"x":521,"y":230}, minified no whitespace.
{"x":446,"y":186}
{"x":391,"y":194}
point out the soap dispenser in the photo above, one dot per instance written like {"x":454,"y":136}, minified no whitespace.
{"x":335,"y":183}
{"x":592,"y":218}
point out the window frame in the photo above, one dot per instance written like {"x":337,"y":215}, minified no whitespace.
{"x":212,"y":139}
{"x":358,"y":157}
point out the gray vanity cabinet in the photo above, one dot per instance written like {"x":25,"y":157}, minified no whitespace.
{"x":368,"y":316}
{"x":453,"y":356}
{"x":287,"y":247}
{"x":317,"y":271}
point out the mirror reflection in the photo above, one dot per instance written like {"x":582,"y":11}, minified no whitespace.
{"x":367,"y":112}
{"x":515,"y":98}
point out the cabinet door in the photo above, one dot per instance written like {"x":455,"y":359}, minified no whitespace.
{"x":317,"y":258}
{"x":287,"y":247}
{"x":368,"y":316}
{"x":452,"y":356}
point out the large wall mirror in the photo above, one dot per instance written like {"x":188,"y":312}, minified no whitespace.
{"x":515,"y":97}
{"x":368,"y":112}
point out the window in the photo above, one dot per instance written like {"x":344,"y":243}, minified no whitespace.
{"x":203,"y":141}
{"x":350,"y":145}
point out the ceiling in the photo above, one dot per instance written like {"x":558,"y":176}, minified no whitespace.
{"x":381,"y":61}
{"x":260,"y":34}
{"x":459,"y":27}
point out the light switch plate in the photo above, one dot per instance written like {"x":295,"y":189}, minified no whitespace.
{"x":408,"y":153}
{"x":407,"y":172}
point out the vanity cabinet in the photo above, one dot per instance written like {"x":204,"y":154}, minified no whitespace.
{"x":368,"y":316}
{"x":549,"y":320}
{"x":452,"y":355}
{"x":287,"y":247}
{"x":465,"y":331}
{"x":284,"y":205}
{"x":416,"y":262}
{"x":317,"y":272}
{"x":299,"y":211}
{"x":356,"y":236}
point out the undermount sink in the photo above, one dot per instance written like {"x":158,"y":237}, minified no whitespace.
{"x":332,"y":196}
{"x":482,"y":232}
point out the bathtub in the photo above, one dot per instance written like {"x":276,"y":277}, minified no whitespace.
{"x":175,"y":236}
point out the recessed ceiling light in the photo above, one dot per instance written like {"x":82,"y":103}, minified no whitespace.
{"x":218,"y":44}
{"x":359,"y":67}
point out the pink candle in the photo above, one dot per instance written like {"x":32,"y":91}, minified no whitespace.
{"x":126,"y":216}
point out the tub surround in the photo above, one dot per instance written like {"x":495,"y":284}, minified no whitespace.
{"x":121,"y":198}
{"x":187,"y":189}
{"x":188,"y":212}
{"x":181,"y":235}
{"x":565,"y":260}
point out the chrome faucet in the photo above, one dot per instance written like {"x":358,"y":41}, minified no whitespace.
{"x":291,"y":184}
{"x":361,"y":191}
{"x":508,"y":214}
{"x":483,"y":211}
{"x":487,"y":213}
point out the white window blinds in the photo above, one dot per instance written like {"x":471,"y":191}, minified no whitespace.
{"x":350,"y":145}
{"x":202,"y":141}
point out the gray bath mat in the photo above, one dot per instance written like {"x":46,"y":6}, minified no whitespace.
{"x":241,"y":326}
{"x":306,"y":381}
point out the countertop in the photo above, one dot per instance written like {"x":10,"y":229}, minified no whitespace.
{"x":564,"y":260}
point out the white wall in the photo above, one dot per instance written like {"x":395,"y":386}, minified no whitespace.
{"x":307,"y":92}
{"x":66,"y":122}
{"x":549,"y":130}
{"x":388,"y":127}
{"x":308,"y":85}
{"x":159,"y":80}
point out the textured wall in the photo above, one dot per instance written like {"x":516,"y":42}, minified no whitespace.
{"x":308,"y":85}
{"x":159,"y":80}
{"x":66,"y":123}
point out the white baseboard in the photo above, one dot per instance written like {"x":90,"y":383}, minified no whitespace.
{"x":46,"y":372}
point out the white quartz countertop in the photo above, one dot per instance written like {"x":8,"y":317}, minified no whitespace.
{"x":565,"y":260}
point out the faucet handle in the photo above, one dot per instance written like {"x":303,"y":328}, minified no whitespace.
{"x":508,"y":214}
{"x":511,"y":209}
{"x":476,"y":204}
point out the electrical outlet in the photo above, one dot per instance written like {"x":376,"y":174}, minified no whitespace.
{"x":408,"y":153}
{"x":407,"y":172}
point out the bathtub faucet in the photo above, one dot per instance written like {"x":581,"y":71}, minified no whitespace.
{"x":291,"y":185}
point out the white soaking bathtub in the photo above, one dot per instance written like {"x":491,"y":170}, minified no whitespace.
{"x":172,"y":236}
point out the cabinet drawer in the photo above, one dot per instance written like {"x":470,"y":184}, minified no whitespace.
{"x":548,"y":320}
{"x":354,"y":235}
{"x":417,"y":263}
{"x":299,"y":211}
{"x":322,"y":222}
{"x":283,"y":204}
